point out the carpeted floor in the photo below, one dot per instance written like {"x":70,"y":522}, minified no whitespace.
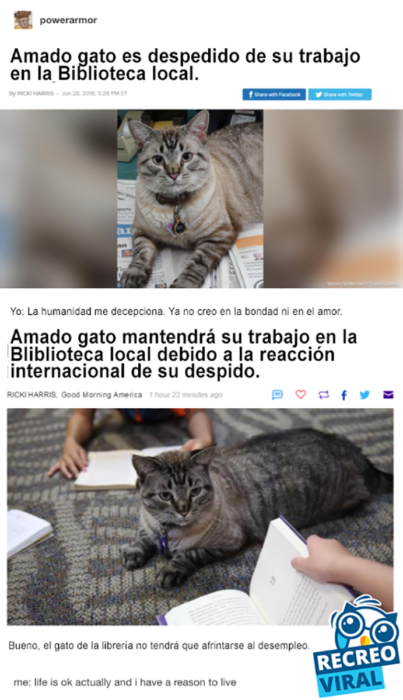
{"x":77,"y":578}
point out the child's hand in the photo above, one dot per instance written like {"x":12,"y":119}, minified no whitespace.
{"x":326,"y":561}
{"x":196,"y":444}
{"x":73,"y":460}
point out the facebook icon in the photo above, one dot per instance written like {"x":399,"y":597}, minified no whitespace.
{"x":343,"y":395}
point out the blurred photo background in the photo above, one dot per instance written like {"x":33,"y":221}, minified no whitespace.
{"x":58,"y":198}
{"x":333,"y":198}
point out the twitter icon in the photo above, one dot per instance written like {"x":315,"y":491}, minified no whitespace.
{"x":364,"y":394}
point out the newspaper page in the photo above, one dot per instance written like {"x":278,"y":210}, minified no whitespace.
{"x":247,"y":257}
{"x":126,"y":203}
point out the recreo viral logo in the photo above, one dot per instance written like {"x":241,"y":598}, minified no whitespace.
{"x":366,"y":640}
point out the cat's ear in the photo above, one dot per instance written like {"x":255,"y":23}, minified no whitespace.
{"x":199,"y":125}
{"x":140,"y":132}
{"x":143,"y":466}
{"x":202,"y":458}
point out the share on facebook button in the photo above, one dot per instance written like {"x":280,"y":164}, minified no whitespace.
{"x":273,"y":94}
{"x":321,"y":94}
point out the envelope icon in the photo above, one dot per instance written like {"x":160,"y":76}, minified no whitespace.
{"x":388,"y":394}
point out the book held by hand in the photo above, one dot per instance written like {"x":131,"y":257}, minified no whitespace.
{"x":278,"y":594}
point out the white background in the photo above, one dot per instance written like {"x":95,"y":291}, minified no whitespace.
{"x":371,"y":29}
{"x":371,"y":365}
{"x":374,"y":30}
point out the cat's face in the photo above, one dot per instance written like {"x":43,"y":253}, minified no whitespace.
{"x":175,"y":488}
{"x":173,"y":160}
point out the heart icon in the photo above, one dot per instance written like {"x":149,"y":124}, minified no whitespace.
{"x":300,"y":393}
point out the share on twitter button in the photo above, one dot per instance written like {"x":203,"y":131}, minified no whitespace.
{"x":321,"y":95}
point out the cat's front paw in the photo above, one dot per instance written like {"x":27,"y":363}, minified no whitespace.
{"x":134,"y":557}
{"x":170,"y":576}
{"x":183,"y":282}
{"x":134,"y":277}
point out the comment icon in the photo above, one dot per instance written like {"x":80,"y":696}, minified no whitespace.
{"x":277,"y":394}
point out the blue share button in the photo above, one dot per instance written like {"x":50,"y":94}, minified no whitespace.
{"x":322,"y":94}
{"x":273,"y":94}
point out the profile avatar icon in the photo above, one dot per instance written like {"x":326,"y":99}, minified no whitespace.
{"x":23,"y":19}
{"x":362,"y":622}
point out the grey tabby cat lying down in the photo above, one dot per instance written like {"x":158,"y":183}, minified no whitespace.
{"x":194,"y":192}
{"x":205,"y":506}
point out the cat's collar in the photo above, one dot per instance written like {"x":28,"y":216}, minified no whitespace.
{"x":163,"y":541}
{"x":172,"y":201}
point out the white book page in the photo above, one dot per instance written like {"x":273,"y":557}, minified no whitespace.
{"x":224,"y":608}
{"x":23,"y":529}
{"x":114,"y":469}
{"x":108,"y":469}
{"x":283,"y":595}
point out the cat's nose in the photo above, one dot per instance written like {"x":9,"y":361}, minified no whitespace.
{"x":173,"y":175}
{"x":183,"y":509}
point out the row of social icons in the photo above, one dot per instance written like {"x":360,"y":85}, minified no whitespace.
{"x":278,"y":394}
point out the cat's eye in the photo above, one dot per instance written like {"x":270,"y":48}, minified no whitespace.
{"x":187,"y":157}
{"x":165,"y":495}
{"x":158,"y":160}
{"x":196,"y":491}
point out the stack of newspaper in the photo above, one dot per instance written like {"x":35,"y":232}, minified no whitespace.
{"x":243,"y":267}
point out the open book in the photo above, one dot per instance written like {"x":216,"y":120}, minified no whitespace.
{"x":113,"y":469}
{"x":278,"y":594}
{"x":24,"y":530}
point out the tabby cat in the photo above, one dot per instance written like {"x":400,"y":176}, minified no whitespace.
{"x":194,"y":192}
{"x":204,"y":506}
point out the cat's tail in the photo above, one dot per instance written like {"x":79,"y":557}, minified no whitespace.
{"x":377,"y":482}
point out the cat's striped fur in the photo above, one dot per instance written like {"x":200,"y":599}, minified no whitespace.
{"x":217,"y":182}
{"x":214,"y":503}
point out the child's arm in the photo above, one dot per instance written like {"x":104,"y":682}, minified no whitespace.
{"x":330,"y":562}
{"x":200,"y":431}
{"x":78,"y":431}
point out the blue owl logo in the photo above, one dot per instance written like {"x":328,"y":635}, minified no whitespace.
{"x":363,"y":622}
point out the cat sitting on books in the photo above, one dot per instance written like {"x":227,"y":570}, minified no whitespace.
{"x":201,"y":507}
